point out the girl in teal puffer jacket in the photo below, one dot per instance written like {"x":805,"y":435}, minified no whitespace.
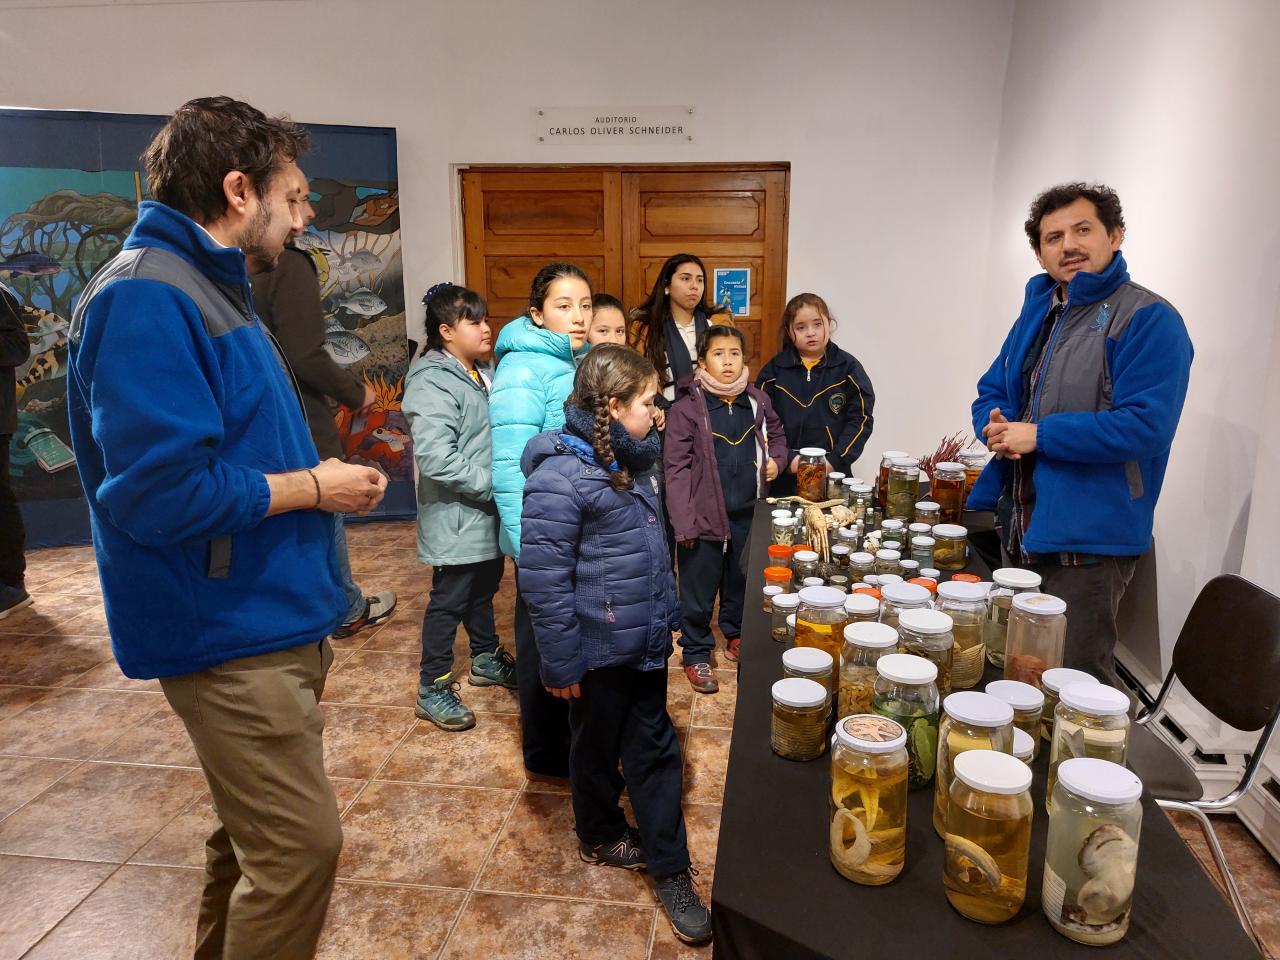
{"x":446,"y":405}
{"x":537,"y":357}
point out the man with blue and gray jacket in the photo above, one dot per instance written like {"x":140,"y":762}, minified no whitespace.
{"x":1080,"y":408}
{"x":212,"y":516}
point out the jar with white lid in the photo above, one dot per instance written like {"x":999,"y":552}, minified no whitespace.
{"x":1091,"y":856}
{"x":1006,"y":583}
{"x":904,"y":488}
{"x":868,"y":827}
{"x":988,"y":836}
{"x":812,"y":582}
{"x":784,"y":605}
{"x":897,"y":597}
{"x":810,"y":663}
{"x":799,"y":725}
{"x":820,"y":621}
{"x":892,"y":529}
{"x":864,"y":645}
{"x":966,"y":605}
{"x":1024,"y":745}
{"x":860,"y":497}
{"x":927,"y":633}
{"x":950,"y":546}
{"x":922,"y":550}
{"x":835,"y":488}
{"x":909,"y":569}
{"x":1091,"y":720}
{"x":811,"y":474}
{"x":860,"y":565}
{"x":840,"y":557}
{"x":969,"y":721}
{"x":1037,"y":633}
{"x":1051,"y":683}
{"x":1028,"y":706}
{"x":769,"y":592}
{"x":947,"y":488}
{"x":804,"y":564}
{"x":887,"y":561}
{"x":886,"y":465}
{"x":905,"y":691}
{"x":928,"y":512}
{"x":783,"y":530}
{"x":861,"y":608}
{"x":933,"y":573}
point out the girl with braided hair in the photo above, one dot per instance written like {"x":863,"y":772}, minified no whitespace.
{"x":596,"y":576}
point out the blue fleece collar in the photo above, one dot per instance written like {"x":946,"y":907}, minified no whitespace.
{"x":162,"y":226}
{"x":1086,"y":287}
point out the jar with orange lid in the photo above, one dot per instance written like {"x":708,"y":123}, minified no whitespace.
{"x":778,"y":576}
{"x":780,"y":555}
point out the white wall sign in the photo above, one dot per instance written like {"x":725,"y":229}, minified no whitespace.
{"x":597,"y":125}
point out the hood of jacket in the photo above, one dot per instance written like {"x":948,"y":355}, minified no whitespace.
{"x":522,"y":335}
{"x":440,"y":362}
{"x":1085,"y":287}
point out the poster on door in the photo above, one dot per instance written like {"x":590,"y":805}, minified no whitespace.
{"x":733,"y":290}
{"x":70,"y":185}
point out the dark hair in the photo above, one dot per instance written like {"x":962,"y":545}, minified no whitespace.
{"x":719,"y":330}
{"x":1103,"y":198}
{"x":793,"y":307}
{"x":208,"y":138}
{"x":548,"y":275}
{"x":607,"y":301}
{"x":650,"y":318}
{"x":609,"y":370}
{"x":446,"y":305}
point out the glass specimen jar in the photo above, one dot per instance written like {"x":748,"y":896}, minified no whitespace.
{"x":950,"y":546}
{"x":784,"y":605}
{"x":974,"y":461}
{"x":927,"y":633}
{"x":811,"y":474}
{"x":1051,"y":683}
{"x":887,"y":561}
{"x":1091,"y":857}
{"x":1024,"y":745}
{"x":864,"y":645}
{"x":835,"y":488}
{"x":892,"y":529}
{"x":947,"y":489}
{"x":1037,"y":631}
{"x":809,"y":663}
{"x":778,"y":576}
{"x":861,"y":608}
{"x":1090,"y":720}
{"x":1028,"y":705}
{"x":969,"y":721}
{"x":804,"y":564}
{"x":904,"y":489}
{"x":821,"y":620}
{"x":988,"y":836}
{"x":922,"y":551}
{"x":882,"y":477}
{"x":780,"y":555}
{"x":784,"y":529}
{"x":769,"y":592}
{"x":860,"y":565}
{"x":905,"y":691}
{"x":868,"y":832}
{"x":910,"y":569}
{"x":799,"y":724}
{"x":928,"y":512}
{"x":1007,"y":582}
{"x":897,"y":597}
{"x":966,"y":605}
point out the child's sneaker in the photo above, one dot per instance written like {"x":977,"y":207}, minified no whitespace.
{"x":377,"y":609}
{"x":439,"y":702}
{"x":690,"y":918}
{"x":732,"y":649}
{"x":701,"y":678}
{"x":493,"y":669}
{"x":12,"y":599}
{"x":625,"y":852}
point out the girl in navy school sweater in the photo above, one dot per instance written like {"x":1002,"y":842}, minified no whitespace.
{"x":822,"y":393}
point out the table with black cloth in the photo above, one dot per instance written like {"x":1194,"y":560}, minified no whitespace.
{"x":777,"y":896}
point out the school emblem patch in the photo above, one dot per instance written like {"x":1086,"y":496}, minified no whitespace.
{"x":836,"y":403}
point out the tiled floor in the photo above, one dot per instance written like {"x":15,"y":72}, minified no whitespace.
{"x":450,"y":851}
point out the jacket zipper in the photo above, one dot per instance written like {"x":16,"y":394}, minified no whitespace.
{"x":706,"y":422}
{"x":1048,"y":357}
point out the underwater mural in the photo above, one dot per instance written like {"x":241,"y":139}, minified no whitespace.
{"x":70,"y":184}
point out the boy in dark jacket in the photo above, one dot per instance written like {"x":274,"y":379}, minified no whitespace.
{"x":724,"y":444}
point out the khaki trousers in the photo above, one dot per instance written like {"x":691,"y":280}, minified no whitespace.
{"x":270,"y":862}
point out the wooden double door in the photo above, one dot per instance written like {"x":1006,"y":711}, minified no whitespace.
{"x":620,"y":224}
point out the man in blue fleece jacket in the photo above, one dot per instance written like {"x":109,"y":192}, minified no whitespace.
{"x":213,"y":519}
{"x":1080,"y":408}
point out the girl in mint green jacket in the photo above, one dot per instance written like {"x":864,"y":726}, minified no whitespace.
{"x":446,"y":402}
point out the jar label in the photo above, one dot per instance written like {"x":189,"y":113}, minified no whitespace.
{"x":871,"y":729}
{"x":1053,"y":892}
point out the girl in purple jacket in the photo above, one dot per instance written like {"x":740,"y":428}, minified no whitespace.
{"x":724,"y":445}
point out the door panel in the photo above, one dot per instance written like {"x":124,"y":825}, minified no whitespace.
{"x":620,"y":223}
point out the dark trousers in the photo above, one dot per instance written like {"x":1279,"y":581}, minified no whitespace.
{"x":1092,"y":594}
{"x":706,"y":569}
{"x":13,"y":537}
{"x":460,"y":594}
{"x":622,"y":717}
{"x":544,"y":719}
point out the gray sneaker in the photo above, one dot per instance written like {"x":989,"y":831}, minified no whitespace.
{"x":689,"y":916}
{"x":377,"y":609}
{"x":494,"y":669}
{"x":12,"y":599}
{"x":624,"y":852}
{"x":439,"y":702}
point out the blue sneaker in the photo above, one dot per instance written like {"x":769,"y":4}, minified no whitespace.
{"x":689,"y":916}
{"x":497,"y":669}
{"x":439,"y":702}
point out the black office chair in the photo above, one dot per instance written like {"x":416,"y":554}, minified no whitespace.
{"x":1228,"y":658}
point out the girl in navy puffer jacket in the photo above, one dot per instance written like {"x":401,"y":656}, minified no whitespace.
{"x":596,"y":576}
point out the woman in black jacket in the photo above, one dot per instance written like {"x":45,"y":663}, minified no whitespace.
{"x":822,"y":393}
